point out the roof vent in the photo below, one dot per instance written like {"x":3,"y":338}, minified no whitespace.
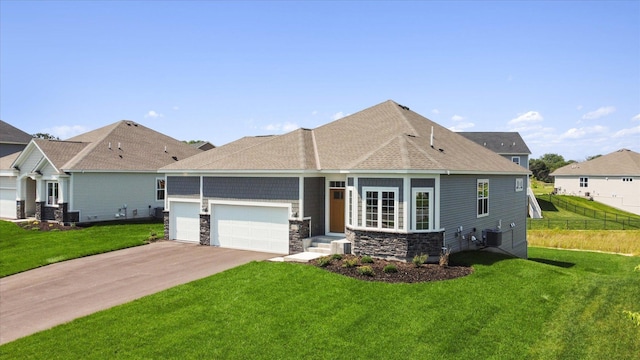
{"x":165,"y":148}
{"x":119,"y":146}
{"x":175,"y":158}
{"x":109,"y":145}
{"x":128,"y":124}
{"x":404,"y":107}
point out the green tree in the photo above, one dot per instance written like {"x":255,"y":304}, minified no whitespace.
{"x":540,"y":170}
{"x":45,"y":136}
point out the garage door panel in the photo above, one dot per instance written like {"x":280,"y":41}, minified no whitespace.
{"x":8,"y":203}
{"x":258,"y":228}
{"x":186,"y":221}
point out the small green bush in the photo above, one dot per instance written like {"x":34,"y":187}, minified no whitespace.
{"x":365,"y":270}
{"x":324,"y":261}
{"x":633,"y":316}
{"x":336,"y":257}
{"x":349,"y":263}
{"x":366,"y":259}
{"x":419,"y":260}
{"x":390,"y":269}
{"x":637,"y":268}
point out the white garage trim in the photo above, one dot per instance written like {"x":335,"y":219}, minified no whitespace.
{"x":257,"y":226}
{"x":184,"y":219}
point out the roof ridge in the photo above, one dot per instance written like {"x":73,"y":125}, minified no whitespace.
{"x":316,"y":155}
{"x":406,"y":120}
{"x":425,"y":152}
{"x":93,"y":144}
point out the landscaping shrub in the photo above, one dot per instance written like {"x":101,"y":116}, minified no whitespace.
{"x":419,"y":260}
{"x":336,"y":257}
{"x":349,"y":263}
{"x":444,"y":257}
{"x":365,"y":270}
{"x":390,"y":269}
{"x":324,"y":261}
{"x":366,"y":259}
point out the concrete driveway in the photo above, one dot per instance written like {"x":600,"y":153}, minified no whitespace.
{"x":42,"y":298}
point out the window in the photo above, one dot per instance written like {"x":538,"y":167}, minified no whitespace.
{"x":380,"y":208}
{"x":160,"y":185}
{"x":336,"y":184}
{"x":516,"y":159}
{"x":483,"y":197}
{"x":584,"y":182}
{"x":52,"y":193}
{"x":422,"y":210}
{"x":350,"y":206}
{"x":519,"y":184}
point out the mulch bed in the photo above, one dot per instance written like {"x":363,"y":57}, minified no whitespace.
{"x":45,"y":226}
{"x":407,"y":272}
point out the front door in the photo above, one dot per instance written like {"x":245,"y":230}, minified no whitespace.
{"x":336,"y":210}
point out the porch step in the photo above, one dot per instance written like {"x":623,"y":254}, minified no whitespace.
{"x":325,"y":250}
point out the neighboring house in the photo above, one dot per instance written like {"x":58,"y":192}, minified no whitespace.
{"x":612,"y":179}
{"x":12,"y":142}
{"x":390,"y":181}
{"x":203,"y":145}
{"x":511,"y":146}
{"x":107,"y":174}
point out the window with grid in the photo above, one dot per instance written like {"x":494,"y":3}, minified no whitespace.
{"x":584,"y":182}
{"x":422,"y":209}
{"x":483,"y":197}
{"x":380,"y":208}
{"x":160,"y":189}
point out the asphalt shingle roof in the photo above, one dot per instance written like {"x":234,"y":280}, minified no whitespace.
{"x":12,"y":135}
{"x":386,"y":136}
{"x":503,"y":143}
{"x":623,"y":162}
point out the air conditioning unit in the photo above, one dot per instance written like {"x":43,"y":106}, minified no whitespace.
{"x":493,"y":237}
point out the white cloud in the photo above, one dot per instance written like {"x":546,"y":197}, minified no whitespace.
{"x":603,"y":111}
{"x":528,"y":117}
{"x":627,"y":132}
{"x":314,"y":112}
{"x":281,"y":127}
{"x":636,"y":118}
{"x":577,"y":133}
{"x":66,"y":131}
{"x":435,"y":111}
{"x":579,"y":107}
{"x":338,"y":115}
{"x":457,"y":118}
{"x":462,"y":126}
{"x":153,"y":114}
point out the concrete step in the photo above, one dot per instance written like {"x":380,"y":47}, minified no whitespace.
{"x":319,"y":250}
{"x":322,"y":245}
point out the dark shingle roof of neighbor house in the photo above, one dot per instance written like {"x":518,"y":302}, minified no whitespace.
{"x":623,"y":162}
{"x":12,"y":135}
{"x":121,"y":146}
{"x":387,"y":136}
{"x":203,"y":145}
{"x":503,"y":143}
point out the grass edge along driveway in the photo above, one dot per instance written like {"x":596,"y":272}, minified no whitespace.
{"x":559,"y":304}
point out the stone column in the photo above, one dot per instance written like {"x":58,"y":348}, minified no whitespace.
{"x":298,"y":230}
{"x":205,"y":229}
{"x":20,"y":209}
{"x":165,"y":216}
{"x":40,"y":210}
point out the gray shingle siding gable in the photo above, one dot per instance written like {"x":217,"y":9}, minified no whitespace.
{"x":314,"y":196}
{"x":183,"y":186}
{"x":458,"y":206}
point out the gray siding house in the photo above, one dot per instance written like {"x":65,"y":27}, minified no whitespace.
{"x":391,"y":182}
{"x":12,"y":142}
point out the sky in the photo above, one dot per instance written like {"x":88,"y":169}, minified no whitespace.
{"x":565,"y":75}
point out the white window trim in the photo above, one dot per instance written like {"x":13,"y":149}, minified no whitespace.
{"x":379,"y":190}
{"x":57,"y":186}
{"x":158,"y":189}
{"x":583,"y":180}
{"x":351,"y":206}
{"x":513,"y":158}
{"x":478,"y":198}
{"x":414,"y":191}
{"x":519,"y":184}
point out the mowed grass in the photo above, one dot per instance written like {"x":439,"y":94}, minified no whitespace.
{"x":615,"y":241}
{"x":558,"y":305}
{"x":22,"y":250}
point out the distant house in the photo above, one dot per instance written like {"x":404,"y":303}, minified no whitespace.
{"x":106,"y":174}
{"x":387,"y":180}
{"x":511,"y":146}
{"x":612,"y":179}
{"x":12,"y":142}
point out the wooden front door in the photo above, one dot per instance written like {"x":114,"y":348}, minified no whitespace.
{"x":336,"y":210}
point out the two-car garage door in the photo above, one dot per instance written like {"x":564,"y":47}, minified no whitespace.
{"x":250,"y":227}
{"x":238,"y":226}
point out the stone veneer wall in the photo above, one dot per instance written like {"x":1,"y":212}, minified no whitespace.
{"x":298,"y":230}
{"x":60,"y":212}
{"x":165,"y":217}
{"x":398,"y":246}
{"x":205,"y":229}
{"x":20,"y":209}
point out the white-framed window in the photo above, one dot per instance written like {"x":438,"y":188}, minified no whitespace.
{"x":350,"y":206}
{"x":584,"y":182}
{"x":380,"y":206}
{"x":52,"y":193}
{"x":483,"y":197}
{"x":516,"y":159}
{"x":422,"y":208}
{"x":519,"y":184}
{"x":160,"y":189}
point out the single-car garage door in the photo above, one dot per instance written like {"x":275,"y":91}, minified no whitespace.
{"x":248,"y":227}
{"x":185,"y":221}
{"x":8,"y":203}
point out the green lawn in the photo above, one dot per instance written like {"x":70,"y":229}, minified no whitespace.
{"x":558,"y":305}
{"x":21,"y":250}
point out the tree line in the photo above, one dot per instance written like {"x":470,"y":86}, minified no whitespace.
{"x":548,"y":163}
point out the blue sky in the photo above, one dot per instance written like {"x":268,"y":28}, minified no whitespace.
{"x":566,"y":75}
